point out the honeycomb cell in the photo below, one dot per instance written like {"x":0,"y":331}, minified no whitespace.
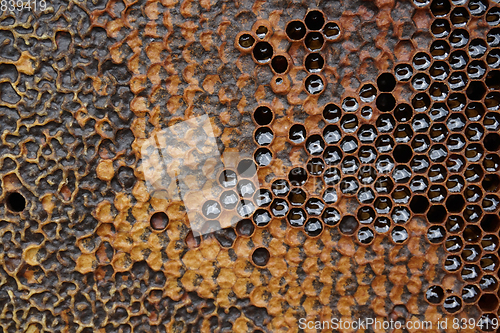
{"x":365,"y":195}
{"x":441,"y":28}
{"x":434,"y":294}
{"x":367,"y":93}
{"x":453,"y":244}
{"x":349,"y":145}
{"x":314,"y":20}
{"x":489,"y":263}
{"x":295,"y":30}
{"x":492,"y":80}
{"x":478,"y":7}
{"x":332,"y":113}
{"x":261,"y":31}
{"x":472,"y":234}
{"x":332,"y":155}
{"x":261,"y":217}
{"x":459,"y":38}
{"x":452,"y":304}
{"x":382,"y":225}
{"x":211,"y":209}
{"x":458,"y":60}
{"x":386,"y":82}
{"x":349,"y":185}
{"x":476,"y":90}
{"x":279,"y":207}
{"x":366,"y":215}
{"x":280,"y":187}
{"x":246,"y":41}
{"x":440,"y":7}
{"x":436,"y":213}
{"x":386,"y":102}
{"x":490,"y":223}
{"x":488,"y":283}
{"x":489,"y":321}
{"x":159,"y":221}
{"x":493,"y":16}
{"x":330,"y":216}
{"x":245,"y":208}
{"x":279,"y":64}
{"x":330,"y":195}
{"x":403,"y":72}
{"x":314,"y":41}
{"x":490,"y":243}
{"x":421,"y":81}
{"x":459,"y":17}
{"x":297,"y":217}
{"x":246,"y":188}
{"x":264,"y":136}
{"x":493,"y":58}
{"x":245,"y":228}
{"x":419,"y":204}
{"x":313,"y":227}
{"x":229,"y":199}
{"x":314,"y":62}
{"x":470,"y":294}
{"x":436,"y":234}
{"x":263,"y":198}
{"x":263,"y":115}
{"x":399,"y":235}
{"x":365,"y":236}
{"x":263,"y":156}
{"x":454,"y":224}
{"x":298,"y":176}
{"x":297,"y":133}
{"x":452,"y":263}
{"x":476,"y":70}
{"x":331,"y":176}
{"x":314,"y":84}
{"x":421,"y":61}
{"x":315,"y":166}
{"x":348,"y":225}
{"x":331,"y":31}
{"x":314,"y":206}
{"x":421,"y":102}
{"x":493,"y":37}
{"x":261,"y":256}
{"x":263,"y":52}
{"x":440,"y":50}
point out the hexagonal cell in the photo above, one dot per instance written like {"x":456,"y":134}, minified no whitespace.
{"x":490,"y":223}
{"x":419,"y":204}
{"x":348,"y":225}
{"x":261,"y":256}
{"x":436,"y":214}
{"x":295,"y":30}
{"x":476,"y":90}
{"x":455,"y":203}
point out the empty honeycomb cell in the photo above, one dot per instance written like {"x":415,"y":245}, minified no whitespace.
{"x":436,"y":234}
{"x":211,"y":209}
{"x":331,"y":176}
{"x":452,"y":263}
{"x":246,"y":40}
{"x":330,"y":216}
{"x":263,"y":52}
{"x":313,"y":227}
{"x":386,"y":102}
{"x":367,"y":93}
{"x":330,"y":195}
{"x":440,"y":50}
{"x":470,"y":294}
{"x":297,"y":217}
{"x":440,"y":7}
{"x":472,"y":234}
{"x":403,"y":72}
{"x":314,"y":84}
{"x":349,"y":186}
{"x":419,"y":204}
{"x":297,"y":176}
{"x":365,"y":236}
{"x":295,"y":30}
{"x":314,"y":62}
{"x":246,"y":168}
{"x":280,"y":187}
{"x":490,"y":243}
{"x":263,"y":115}
{"x":226,"y":237}
{"x":419,"y":184}
{"x":403,"y":113}
{"x":264,"y":136}
{"x":159,"y":221}
{"x":399,"y":235}
{"x":332,"y":155}
{"x":314,"y":20}
{"x":261,"y":256}
{"x":365,"y":195}
{"x":490,"y":223}
{"x":434,"y":294}
{"x":440,"y":28}
{"x":348,"y":225}
{"x":261,"y":218}
{"x":402,"y":153}
{"x":261,"y":31}
{"x":489,"y":263}
{"x":16,"y":202}
{"x":366,"y":215}
{"x":421,"y":102}
{"x":492,"y":80}
{"x":459,"y":17}
{"x":476,"y":90}
{"x":493,"y":16}
{"x":229,"y":199}
{"x":471,"y":253}
{"x":454,"y":224}
{"x":452,"y":304}
{"x":453,"y":244}
{"x":297,"y":196}
{"x":332,"y":113}
{"x":458,"y":60}
{"x":314,"y":41}
{"x":279,"y":64}
{"x":245,"y":208}
{"x":315,"y":166}
{"x":488,"y":283}
{"x":279,"y":207}
{"x":491,"y":182}
{"x":263,"y":198}
{"x":421,"y":61}
{"x":493,"y":37}
{"x":478,"y":7}
{"x":331,"y":30}
{"x":386,"y":82}
{"x":493,"y":58}
{"x":436,"y":213}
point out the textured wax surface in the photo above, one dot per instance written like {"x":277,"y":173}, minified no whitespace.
{"x":359,"y":174}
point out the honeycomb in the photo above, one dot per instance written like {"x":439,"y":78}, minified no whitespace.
{"x":358,"y":173}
